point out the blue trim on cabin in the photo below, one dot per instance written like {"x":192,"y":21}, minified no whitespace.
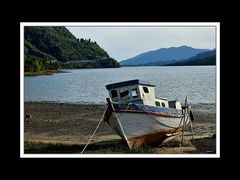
{"x":127,"y":83}
{"x":147,"y":108}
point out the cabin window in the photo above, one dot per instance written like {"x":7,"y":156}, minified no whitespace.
{"x":145,"y":89}
{"x":134,"y":93}
{"x":114,"y":93}
{"x":124,"y":93}
{"x":163,"y":104}
{"x":157,"y":103}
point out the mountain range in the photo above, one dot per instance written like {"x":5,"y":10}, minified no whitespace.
{"x":204,"y":58}
{"x":165,"y":56}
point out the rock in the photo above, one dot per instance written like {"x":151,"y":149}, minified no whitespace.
{"x":210,"y":151}
{"x":28,"y":116}
{"x":214,"y":136}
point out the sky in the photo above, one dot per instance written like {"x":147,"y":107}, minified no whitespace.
{"x":126,"y":42}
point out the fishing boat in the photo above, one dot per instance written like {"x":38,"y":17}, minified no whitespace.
{"x":139,"y":117}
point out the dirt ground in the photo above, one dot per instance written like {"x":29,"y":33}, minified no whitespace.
{"x":73,"y":124}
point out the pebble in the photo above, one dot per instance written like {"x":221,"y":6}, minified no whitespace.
{"x":28,"y":116}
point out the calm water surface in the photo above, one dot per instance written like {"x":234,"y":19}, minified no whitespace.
{"x":198,"y":83}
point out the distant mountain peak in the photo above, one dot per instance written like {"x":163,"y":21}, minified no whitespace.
{"x":184,"y":46}
{"x":163,"y":56}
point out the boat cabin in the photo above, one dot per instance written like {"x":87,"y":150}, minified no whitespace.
{"x":135,"y":91}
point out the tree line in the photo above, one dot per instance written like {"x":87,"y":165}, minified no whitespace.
{"x":36,"y":64}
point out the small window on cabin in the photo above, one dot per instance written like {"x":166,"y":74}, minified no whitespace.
{"x":145,"y":89}
{"x":157,"y":103}
{"x":163,"y":104}
{"x":124,"y":93}
{"x":134,"y":93}
{"x":114,"y":93}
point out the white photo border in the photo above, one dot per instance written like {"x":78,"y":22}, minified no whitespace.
{"x":122,"y":24}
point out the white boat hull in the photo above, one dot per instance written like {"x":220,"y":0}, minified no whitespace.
{"x":143,"y":128}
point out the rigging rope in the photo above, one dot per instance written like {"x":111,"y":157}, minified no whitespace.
{"x":183,"y":121}
{"x":95,"y":130}
{"x":155,"y":118}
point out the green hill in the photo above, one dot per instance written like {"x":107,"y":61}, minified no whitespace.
{"x":205,"y":58}
{"x":196,"y":62}
{"x":54,"y":47}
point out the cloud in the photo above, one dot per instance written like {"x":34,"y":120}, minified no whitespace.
{"x":126,"y":42}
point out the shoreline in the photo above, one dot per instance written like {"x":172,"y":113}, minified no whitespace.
{"x":64,"y":125}
{"x":195,"y":105}
{"x":43,"y":73}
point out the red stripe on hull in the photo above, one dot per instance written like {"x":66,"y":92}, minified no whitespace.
{"x":152,"y":113}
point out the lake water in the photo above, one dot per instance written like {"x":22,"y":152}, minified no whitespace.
{"x":198,"y":83}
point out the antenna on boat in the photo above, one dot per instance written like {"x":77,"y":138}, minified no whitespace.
{"x":187,"y":113}
{"x":184,"y":118}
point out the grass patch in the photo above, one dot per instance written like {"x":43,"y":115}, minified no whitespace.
{"x":95,"y":148}
{"x":40,"y":73}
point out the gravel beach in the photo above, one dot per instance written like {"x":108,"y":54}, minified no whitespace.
{"x":73,"y":124}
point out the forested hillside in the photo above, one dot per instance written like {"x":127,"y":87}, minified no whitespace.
{"x":49,"y":48}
